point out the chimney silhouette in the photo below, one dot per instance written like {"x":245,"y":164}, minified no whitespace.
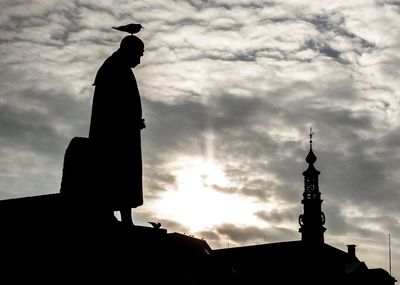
{"x":351,"y":249}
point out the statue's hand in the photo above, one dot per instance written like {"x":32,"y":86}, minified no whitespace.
{"x":142,"y":125}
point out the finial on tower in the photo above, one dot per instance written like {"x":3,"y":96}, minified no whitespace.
{"x":311,"y":158}
{"x":311,"y":134}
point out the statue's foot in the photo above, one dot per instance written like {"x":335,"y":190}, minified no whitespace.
{"x":127,"y":223}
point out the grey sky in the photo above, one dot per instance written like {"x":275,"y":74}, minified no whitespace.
{"x":236,"y":82}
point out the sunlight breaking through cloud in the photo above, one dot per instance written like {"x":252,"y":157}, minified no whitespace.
{"x":194,"y":203}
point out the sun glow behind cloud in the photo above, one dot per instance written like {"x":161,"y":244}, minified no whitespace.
{"x":195,"y":202}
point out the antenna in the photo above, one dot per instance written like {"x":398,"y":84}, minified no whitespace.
{"x":390,"y":258}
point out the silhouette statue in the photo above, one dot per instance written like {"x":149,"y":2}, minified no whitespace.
{"x":114,"y":135}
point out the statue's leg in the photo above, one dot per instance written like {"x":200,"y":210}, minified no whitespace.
{"x":126,"y":216}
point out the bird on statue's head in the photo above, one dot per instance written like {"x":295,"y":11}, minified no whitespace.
{"x":130,"y":28}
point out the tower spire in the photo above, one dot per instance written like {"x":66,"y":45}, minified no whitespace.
{"x":312,"y":220}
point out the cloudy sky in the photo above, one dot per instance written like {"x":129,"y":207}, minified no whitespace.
{"x":229,"y":89}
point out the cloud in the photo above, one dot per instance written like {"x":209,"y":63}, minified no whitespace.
{"x":253,"y":235}
{"x":277,"y":216}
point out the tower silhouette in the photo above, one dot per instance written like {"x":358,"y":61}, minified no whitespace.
{"x":313,"y":219}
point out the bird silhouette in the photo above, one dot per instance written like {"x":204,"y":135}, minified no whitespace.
{"x":130,"y":28}
{"x":155,"y":225}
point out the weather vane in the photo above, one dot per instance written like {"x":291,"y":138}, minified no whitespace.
{"x":311,"y":134}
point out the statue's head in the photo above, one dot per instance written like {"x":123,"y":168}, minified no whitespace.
{"x":132,"y":48}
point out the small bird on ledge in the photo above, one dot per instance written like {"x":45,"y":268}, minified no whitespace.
{"x":155,"y":225}
{"x":130,"y":28}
